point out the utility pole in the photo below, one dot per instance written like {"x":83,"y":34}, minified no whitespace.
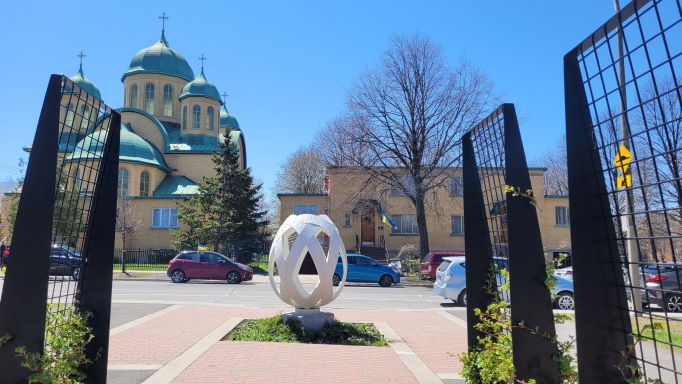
{"x":630,"y":242}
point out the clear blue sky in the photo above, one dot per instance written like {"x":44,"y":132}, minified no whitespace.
{"x":287,"y":65}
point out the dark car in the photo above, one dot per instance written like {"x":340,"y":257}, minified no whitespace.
{"x":189,"y":265}
{"x":430,"y":263}
{"x":664,"y":289}
{"x":65,"y":261}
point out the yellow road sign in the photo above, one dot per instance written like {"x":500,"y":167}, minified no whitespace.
{"x":622,"y":159}
{"x":624,"y":181}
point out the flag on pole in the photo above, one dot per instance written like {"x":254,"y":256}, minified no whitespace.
{"x":201,"y":247}
{"x":386,"y":220}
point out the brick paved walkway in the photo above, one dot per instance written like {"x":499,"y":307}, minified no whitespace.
{"x":158,"y":341}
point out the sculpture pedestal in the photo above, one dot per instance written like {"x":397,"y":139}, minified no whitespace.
{"x":311,"y":319}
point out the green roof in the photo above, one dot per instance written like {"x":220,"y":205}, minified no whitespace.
{"x":173,"y":186}
{"x":227,"y":120}
{"x":201,"y":87}
{"x":133,"y":149}
{"x":85,"y":84}
{"x":162,"y":59}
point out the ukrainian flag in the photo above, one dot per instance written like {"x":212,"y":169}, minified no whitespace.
{"x":201,"y":247}
{"x":386,"y":220}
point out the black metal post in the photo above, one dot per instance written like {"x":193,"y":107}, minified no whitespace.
{"x":95,"y":296}
{"x":477,"y":245}
{"x":24,"y":297}
{"x":603,"y":329}
{"x":531,"y":302}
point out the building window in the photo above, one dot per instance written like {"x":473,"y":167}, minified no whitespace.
{"x":69,"y":115}
{"x":457,"y":225}
{"x":405,"y":224}
{"x":122,"y":182}
{"x":85,"y":116}
{"x":196,"y":116}
{"x":406,"y":181}
{"x":562,"y":218}
{"x":164,"y":217}
{"x":168,"y":100}
{"x":132,"y":96}
{"x":300,"y":209}
{"x":144,"y":183}
{"x":184,"y":117}
{"x":210,"y":117}
{"x":457,"y":186}
{"x":149,"y":98}
{"x":347,"y":219}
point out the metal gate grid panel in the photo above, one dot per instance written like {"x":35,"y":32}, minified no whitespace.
{"x":62,"y":247}
{"x":628,"y":114}
{"x":503,"y":233}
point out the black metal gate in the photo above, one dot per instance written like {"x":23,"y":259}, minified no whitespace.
{"x":62,"y":246}
{"x":501,"y":222}
{"x":624,"y":136}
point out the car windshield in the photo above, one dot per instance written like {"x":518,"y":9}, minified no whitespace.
{"x":444,"y":265}
{"x":426,"y":258}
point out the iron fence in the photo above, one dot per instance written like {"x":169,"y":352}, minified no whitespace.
{"x":624,"y":136}
{"x":502,"y":231}
{"x":63,"y":238}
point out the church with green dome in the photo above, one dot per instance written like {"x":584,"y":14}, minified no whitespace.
{"x":171,"y":124}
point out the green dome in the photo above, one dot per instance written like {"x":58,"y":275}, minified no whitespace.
{"x":201,"y":87}
{"x":134,"y":149}
{"x":227,"y":120}
{"x":88,"y":86}
{"x":160,"y":58}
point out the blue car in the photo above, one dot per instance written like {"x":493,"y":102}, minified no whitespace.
{"x":363,"y":269}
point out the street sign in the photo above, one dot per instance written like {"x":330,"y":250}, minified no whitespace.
{"x":622,"y":162}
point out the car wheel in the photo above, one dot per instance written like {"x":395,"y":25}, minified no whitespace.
{"x":386,"y":281}
{"x":76,"y":273}
{"x":565,"y":301}
{"x":178,"y":276}
{"x":673,"y":303}
{"x":233,"y":278}
{"x":462,"y":298}
{"x":336,"y":280}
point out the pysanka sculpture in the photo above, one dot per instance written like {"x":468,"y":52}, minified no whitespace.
{"x":289,"y":257}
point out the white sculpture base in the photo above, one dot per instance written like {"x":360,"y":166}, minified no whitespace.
{"x":311,"y":319}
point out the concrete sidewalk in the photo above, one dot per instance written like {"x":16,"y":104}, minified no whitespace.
{"x":182,"y":344}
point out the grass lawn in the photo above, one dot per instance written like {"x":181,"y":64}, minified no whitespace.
{"x":414,"y":278}
{"x":274,"y":329}
{"x":142,"y":267}
{"x":259,"y":267}
{"x":661,"y":330}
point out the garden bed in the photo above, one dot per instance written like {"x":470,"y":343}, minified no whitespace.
{"x":274,"y":329}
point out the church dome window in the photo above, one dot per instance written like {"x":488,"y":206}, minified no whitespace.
{"x":85,"y":116}
{"x":210,"y":118}
{"x":196,"y":116}
{"x":132,"y":96}
{"x":184,"y":117}
{"x":168,"y":100}
{"x":149,"y":98}
{"x":122,"y":182}
{"x":69,"y":115}
{"x":144,"y":183}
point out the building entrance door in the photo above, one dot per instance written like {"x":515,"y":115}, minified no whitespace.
{"x":367,"y":227}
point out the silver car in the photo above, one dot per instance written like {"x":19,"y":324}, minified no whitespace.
{"x":451,"y":283}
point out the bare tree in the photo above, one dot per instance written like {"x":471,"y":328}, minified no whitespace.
{"x":302,"y":172}
{"x":405,"y":120}
{"x":556,"y":175}
{"x":128,"y":221}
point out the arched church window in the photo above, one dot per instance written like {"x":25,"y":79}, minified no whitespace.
{"x":85,"y":116}
{"x":144,"y":183}
{"x":149,"y":98}
{"x":69,"y":115}
{"x":210,"y":118}
{"x":168,"y":100}
{"x":184,"y":117}
{"x":132,"y":96}
{"x":196,"y":116}
{"x":122,"y":182}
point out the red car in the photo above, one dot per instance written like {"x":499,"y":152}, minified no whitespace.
{"x":189,"y":265}
{"x":430,"y":262}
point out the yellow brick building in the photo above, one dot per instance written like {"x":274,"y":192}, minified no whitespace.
{"x":358,"y":213}
{"x":171,"y":123}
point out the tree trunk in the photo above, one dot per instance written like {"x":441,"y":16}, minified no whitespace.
{"x":421,"y":223}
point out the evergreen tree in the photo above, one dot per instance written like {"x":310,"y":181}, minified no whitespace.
{"x":224,"y":213}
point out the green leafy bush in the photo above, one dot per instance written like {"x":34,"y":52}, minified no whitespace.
{"x":66,"y":336}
